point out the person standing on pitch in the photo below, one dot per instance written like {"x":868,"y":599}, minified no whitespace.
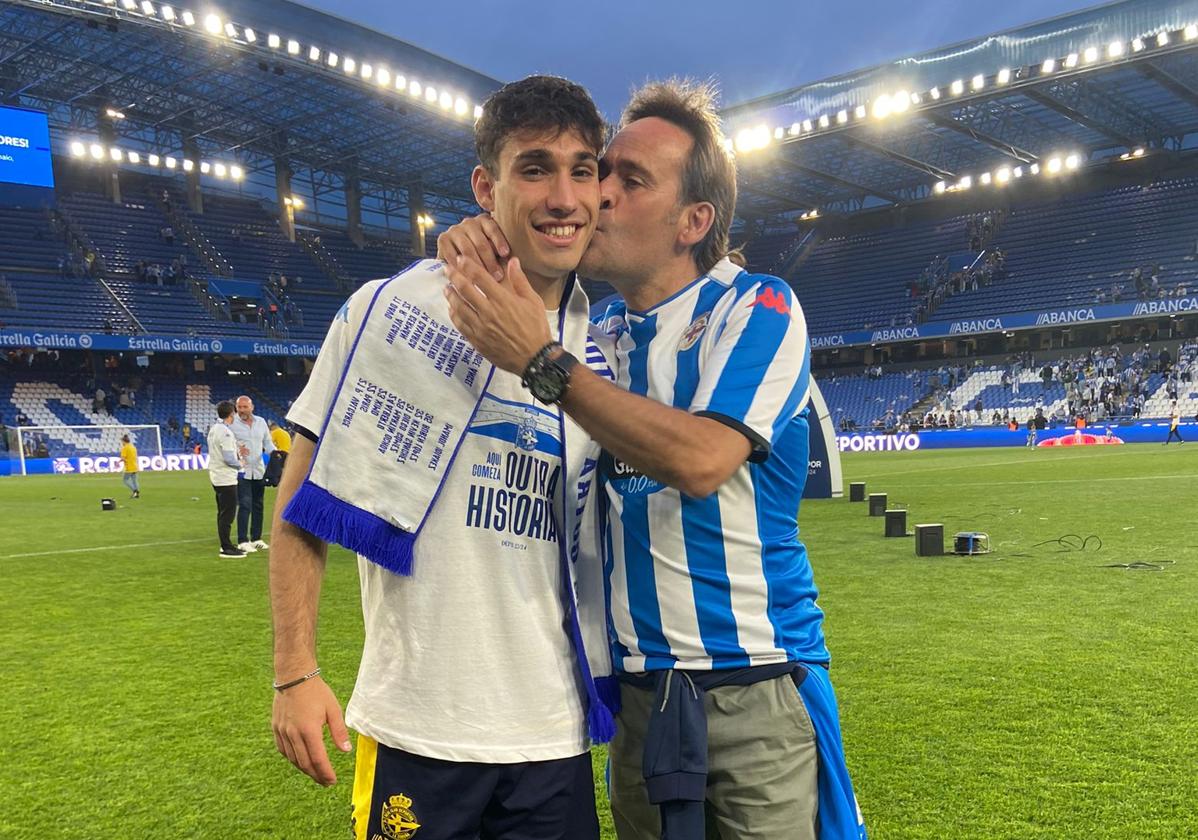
{"x":129,"y":456}
{"x":464,"y":499}
{"x":223,"y":466}
{"x":253,"y":440}
{"x":725,"y":692}
{"x":1174,"y":424}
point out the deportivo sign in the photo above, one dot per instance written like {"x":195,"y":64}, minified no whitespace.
{"x":150,"y":463}
{"x":877,"y":443}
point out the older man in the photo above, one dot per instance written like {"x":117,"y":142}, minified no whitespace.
{"x":253,"y":441}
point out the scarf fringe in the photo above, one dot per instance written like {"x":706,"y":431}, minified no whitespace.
{"x":601,"y":722}
{"x":334,"y":520}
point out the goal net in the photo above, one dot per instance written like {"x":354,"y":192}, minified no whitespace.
{"x":84,"y":441}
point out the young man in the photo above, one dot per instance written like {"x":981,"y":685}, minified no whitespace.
{"x":1174,"y":423}
{"x":223,"y":466}
{"x":253,"y":440}
{"x":725,"y":693}
{"x":463,"y":498}
{"x":129,"y":456}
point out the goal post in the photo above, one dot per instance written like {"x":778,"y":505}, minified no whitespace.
{"x":85,"y":441}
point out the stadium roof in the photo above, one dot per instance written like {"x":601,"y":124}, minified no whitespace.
{"x":248,"y":81}
{"x":1095,"y":85}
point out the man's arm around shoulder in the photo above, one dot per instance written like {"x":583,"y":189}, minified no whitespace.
{"x":297,"y":561}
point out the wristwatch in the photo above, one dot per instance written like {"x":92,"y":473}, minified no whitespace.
{"x":549,"y":378}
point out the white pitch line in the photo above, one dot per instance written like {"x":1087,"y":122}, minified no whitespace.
{"x":1054,"y":481}
{"x":101,"y":548}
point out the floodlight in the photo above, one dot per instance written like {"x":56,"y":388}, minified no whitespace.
{"x":116,"y":154}
{"x":977,"y":82}
{"x":1162,"y":39}
{"x":168,"y":13}
{"x":273,"y":41}
{"x":934,"y":93}
{"x":1115,"y":49}
{"x":147,"y":8}
{"x":1002,"y":175}
{"x":779,"y":133}
{"x":446,"y":100}
{"x":213,"y":24}
{"x":1035,"y":169}
{"x":97,"y":151}
{"x":1137,"y":44}
{"x":460,"y":106}
{"x":916,"y":99}
{"x":331,"y":59}
{"x":1054,"y":165}
{"x":1072,"y":162}
{"x":134,"y":157}
{"x":250,"y":35}
{"x":795,"y":128}
{"x":236,"y":172}
{"x":842,"y":117}
{"x":113,"y":114}
{"x":807,"y":125}
{"x":1191,"y":32}
{"x":824,"y":121}
{"x":940,"y":187}
{"x":478,"y":112}
{"x":383,"y":77}
{"x":349,"y":65}
{"x":129,"y":5}
{"x":430,"y":95}
{"x":293,"y":47}
{"x":958,"y":87}
{"x":189,"y":19}
{"x":1017,"y":171}
{"x":859,"y":112}
{"x":899,"y":101}
{"x":965,"y":183}
{"x":1071,"y":61}
{"x":171,"y":163}
{"x":1049,"y":66}
{"x":985,"y":178}
{"x":205,"y":167}
{"x":188,"y":165}
{"x":1090,"y":55}
{"x":152,"y":159}
{"x":414,"y":88}
{"x":367,"y":71}
{"x":219,"y":170}
{"x":313,"y":52}
{"x":1004,"y":76}
{"x":77,"y":149}
{"x":401,"y":82}
{"x":1138,"y":151}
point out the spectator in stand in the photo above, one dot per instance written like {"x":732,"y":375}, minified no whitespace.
{"x":977,"y":409}
{"x":172,"y":424}
{"x":186,"y":436}
{"x":168,"y":234}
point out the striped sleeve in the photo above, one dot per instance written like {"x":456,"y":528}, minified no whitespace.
{"x":756,"y":376}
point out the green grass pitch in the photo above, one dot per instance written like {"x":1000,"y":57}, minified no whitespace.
{"x":1030,"y":693}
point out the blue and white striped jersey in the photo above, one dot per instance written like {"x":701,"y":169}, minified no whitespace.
{"x":723,"y":581}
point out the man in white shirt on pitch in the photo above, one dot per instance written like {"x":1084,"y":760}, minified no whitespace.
{"x":253,"y":439}
{"x":223,"y":466}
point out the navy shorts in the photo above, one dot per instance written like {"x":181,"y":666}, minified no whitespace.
{"x":401,"y":796}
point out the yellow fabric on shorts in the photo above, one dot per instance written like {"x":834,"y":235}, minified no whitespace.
{"x":364,"y":763}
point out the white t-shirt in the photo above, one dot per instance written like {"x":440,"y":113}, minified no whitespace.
{"x":468,"y":659}
{"x":221,"y":441}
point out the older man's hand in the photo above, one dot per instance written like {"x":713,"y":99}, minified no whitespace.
{"x":505,"y":321}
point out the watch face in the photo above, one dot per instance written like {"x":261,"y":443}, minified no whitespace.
{"x":548,"y":385}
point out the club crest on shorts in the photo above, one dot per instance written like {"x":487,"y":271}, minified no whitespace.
{"x":693,"y":333}
{"x":398,"y":822}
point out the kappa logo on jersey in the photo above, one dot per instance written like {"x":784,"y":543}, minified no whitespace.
{"x":693,"y":333}
{"x":772,"y":300}
{"x":398,"y":821}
